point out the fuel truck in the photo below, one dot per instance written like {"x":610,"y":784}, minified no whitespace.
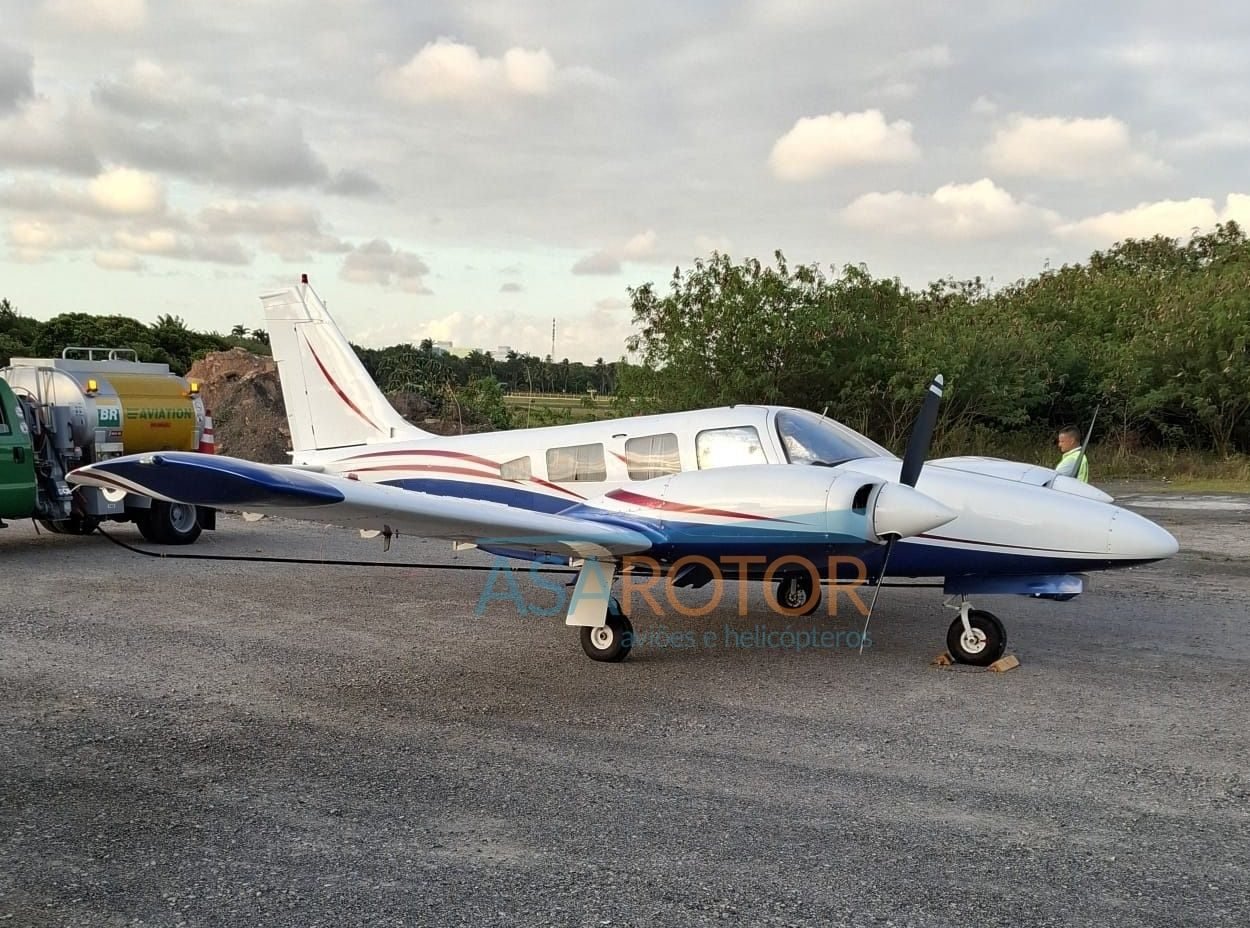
{"x":88,"y":405}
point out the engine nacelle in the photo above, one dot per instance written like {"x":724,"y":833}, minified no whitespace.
{"x":840,"y":506}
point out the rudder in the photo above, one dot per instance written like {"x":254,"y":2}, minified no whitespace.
{"x":331,"y":401}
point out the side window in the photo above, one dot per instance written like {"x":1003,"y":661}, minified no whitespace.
{"x":5,"y":428}
{"x":729,"y":447}
{"x":650,"y":456}
{"x":576,"y":463}
{"x":516,"y":469}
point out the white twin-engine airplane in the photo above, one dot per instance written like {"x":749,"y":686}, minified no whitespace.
{"x":761,"y":492}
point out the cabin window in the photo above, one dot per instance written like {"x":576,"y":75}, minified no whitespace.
{"x":811,"y":439}
{"x":5,"y":429}
{"x":576,"y":463}
{"x":516,"y":469}
{"x":729,"y":447}
{"x":649,"y":456}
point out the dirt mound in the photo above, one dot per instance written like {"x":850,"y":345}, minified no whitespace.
{"x":244,"y":394}
{"x":245,"y":397}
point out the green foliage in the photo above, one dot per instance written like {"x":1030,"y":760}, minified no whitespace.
{"x":168,"y":341}
{"x":484,"y":399}
{"x":1156,"y":333}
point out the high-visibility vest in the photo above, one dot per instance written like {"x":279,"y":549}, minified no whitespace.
{"x":1069,"y":459}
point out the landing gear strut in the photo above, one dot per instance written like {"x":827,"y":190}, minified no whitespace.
{"x":976,"y":637}
{"x":612,"y":641}
{"x":797,"y":593}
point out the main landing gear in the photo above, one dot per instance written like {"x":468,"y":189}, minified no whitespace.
{"x":612,"y":641}
{"x":976,"y":637}
{"x":797,"y":594}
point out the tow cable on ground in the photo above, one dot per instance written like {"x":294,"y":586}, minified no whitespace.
{"x":330,"y":562}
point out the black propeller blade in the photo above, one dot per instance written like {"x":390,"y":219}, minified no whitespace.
{"x":921,"y":434}
{"x":913,"y":460}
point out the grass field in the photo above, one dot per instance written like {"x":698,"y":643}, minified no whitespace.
{"x":533,"y":409}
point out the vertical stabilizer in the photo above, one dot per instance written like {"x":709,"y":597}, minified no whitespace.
{"x":331,"y":402}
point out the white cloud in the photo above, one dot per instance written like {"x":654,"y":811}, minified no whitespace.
{"x":818,"y":144}
{"x":1054,"y":146}
{"x":166,"y":242}
{"x":608,"y":260}
{"x":449,"y":70}
{"x":962,"y":211}
{"x":118,"y":261}
{"x":598,"y":262}
{"x":381,"y":264}
{"x":34,"y":234}
{"x":529,"y":72}
{"x":16,"y":84}
{"x":1173,"y":218}
{"x":984,"y":106}
{"x":127,"y":192}
{"x":40,"y":135}
{"x":594,"y":332}
{"x":641,"y":245}
{"x":98,"y":15}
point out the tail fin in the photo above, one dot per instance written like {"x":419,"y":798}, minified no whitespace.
{"x":331,"y":402}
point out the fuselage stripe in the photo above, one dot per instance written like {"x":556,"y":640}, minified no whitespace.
{"x":637,"y":499}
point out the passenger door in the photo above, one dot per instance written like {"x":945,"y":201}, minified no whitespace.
{"x":17,"y":461}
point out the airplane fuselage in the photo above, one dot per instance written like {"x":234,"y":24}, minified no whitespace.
{"x":1008,"y":523}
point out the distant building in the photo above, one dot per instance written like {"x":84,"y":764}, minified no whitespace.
{"x":443,"y":348}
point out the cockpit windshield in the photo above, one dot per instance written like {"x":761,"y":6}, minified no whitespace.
{"x":812,"y":439}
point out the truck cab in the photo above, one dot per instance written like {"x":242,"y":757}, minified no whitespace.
{"x":17,"y":459}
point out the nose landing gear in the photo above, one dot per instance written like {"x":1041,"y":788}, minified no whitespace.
{"x":976,"y":637}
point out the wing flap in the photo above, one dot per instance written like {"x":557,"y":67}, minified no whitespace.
{"x":227,"y":483}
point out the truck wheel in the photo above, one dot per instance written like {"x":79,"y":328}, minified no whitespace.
{"x":169,"y":523}
{"x":74,"y":525}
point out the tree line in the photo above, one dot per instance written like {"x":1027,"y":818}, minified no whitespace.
{"x":1154,"y":333}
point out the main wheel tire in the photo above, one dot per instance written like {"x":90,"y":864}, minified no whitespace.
{"x":797,"y":593}
{"x":986,"y":644}
{"x":610,"y":642}
{"x":147,"y":526}
{"x":170,"y":523}
{"x":80,"y":525}
{"x":74,"y":525}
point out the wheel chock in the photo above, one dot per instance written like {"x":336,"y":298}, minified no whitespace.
{"x":1002,"y":665}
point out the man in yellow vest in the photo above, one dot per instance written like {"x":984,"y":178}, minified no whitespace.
{"x":1069,"y":442}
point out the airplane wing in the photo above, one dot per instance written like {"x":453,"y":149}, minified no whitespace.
{"x":230,"y":483}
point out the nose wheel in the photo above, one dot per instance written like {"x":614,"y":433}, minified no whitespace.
{"x":976,"y":637}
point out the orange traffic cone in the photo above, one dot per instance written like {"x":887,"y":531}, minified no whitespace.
{"x":208,"y":442}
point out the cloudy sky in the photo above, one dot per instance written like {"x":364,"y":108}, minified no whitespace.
{"x":470,"y":170}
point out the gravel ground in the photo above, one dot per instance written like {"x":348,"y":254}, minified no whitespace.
{"x":218,"y":744}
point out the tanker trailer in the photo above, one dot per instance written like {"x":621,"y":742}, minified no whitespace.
{"x":89,"y":405}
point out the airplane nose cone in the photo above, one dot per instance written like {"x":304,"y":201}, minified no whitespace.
{"x":1135,"y":537}
{"x":902,"y":511}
